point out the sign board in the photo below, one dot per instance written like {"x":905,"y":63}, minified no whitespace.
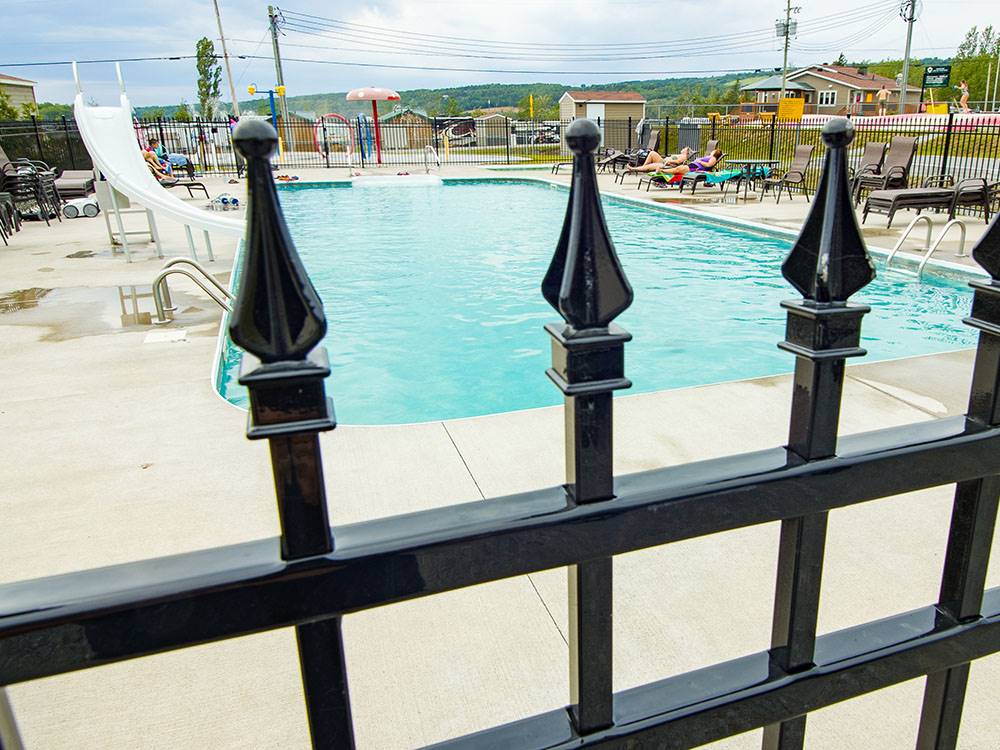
{"x":937,"y":76}
{"x":791,"y":108}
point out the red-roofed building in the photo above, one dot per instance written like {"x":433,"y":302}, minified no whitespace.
{"x":20,"y":90}
{"x":608,"y":105}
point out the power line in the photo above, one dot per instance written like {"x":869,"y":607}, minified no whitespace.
{"x":766,"y":68}
{"x":347,"y":26}
{"x":109,"y":60}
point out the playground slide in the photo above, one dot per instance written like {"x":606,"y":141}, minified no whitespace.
{"x":110,"y":139}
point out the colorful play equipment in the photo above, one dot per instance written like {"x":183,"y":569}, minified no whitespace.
{"x":374,"y":94}
{"x":321,"y":134}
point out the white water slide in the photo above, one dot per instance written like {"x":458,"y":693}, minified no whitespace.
{"x":110,"y":138}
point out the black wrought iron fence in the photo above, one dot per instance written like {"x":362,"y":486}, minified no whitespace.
{"x":313,"y":575}
{"x":955,"y":145}
{"x":55,"y":142}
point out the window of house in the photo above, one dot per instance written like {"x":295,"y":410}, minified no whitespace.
{"x":827,"y":97}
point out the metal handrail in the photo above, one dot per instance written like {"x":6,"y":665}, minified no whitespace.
{"x":899,"y":244}
{"x":429,"y":149}
{"x":159,"y":283}
{"x":961,"y":244}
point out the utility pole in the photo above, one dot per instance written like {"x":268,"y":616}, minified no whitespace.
{"x":908,"y":11}
{"x":272,"y":21}
{"x":225,"y":57}
{"x":786,"y":29}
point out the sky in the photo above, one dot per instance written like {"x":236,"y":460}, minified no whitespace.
{"x":564,"y":41}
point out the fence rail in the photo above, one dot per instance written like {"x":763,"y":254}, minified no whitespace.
{"x":313,"y":575}
{"x":960,"y":145}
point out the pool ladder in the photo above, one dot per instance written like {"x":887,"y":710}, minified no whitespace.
{"x":928,"y":246}
{"x":161,"y":292}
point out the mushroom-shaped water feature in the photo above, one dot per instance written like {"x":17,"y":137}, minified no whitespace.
{"x":374,"y":94}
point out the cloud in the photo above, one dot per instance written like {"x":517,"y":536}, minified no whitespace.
{"x":516,"y":27}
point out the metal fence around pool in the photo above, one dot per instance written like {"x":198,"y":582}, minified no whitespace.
{"x":959,"y":145}
{"x":313,"y":575}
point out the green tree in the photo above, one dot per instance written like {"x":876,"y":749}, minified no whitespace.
{"x":7,"y":110}
{"x":546,"y":108}
{"x":973,"y":60}
{"x":209,"y":77}
{"x":53,"y":111}
{"x":28,"y":110}
{"x":183,"y":113}
{"x":841,"y":61}
{"x":156,"y":113}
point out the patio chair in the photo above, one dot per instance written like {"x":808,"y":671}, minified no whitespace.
{"x":32,"y":190}
{"x":75,"y":183}
{"x":794,"y":177}
{"x":895,"y":173}
{"x":172,"y":182}
{"x":939,"y":193}
{"x":871,"y":160}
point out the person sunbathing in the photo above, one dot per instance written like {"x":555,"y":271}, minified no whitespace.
{"x":701,"y":164}
{"x":656,"y":163}
{"x":154,"y":166}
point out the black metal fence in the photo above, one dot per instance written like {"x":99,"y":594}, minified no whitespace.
{"x":952,"y":144}
{"x":56,"y":142}
{"x":313,"y":575}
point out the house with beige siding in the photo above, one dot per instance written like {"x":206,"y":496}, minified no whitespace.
{"x":20,"y":90}
{"x":833,"y":90}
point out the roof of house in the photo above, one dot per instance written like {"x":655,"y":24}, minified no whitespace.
{"x":15,"y":81}
{"x":774,"y":84}
{"x":845,"y":76}
{"x":605,"y":96}
{"x":404,"y":111}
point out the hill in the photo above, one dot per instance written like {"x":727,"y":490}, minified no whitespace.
{"x":467,"y":98}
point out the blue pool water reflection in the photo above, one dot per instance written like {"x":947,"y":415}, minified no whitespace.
{"x":434,"y":308}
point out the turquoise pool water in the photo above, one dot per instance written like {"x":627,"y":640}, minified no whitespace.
{"x":434,"y":309}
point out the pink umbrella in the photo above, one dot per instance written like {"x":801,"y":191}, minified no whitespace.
{"x":374,"y":94}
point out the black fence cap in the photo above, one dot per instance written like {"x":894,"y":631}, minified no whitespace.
{"x":585,"y":281}
{"x":277,"y":315}
{"x":829,"y":262}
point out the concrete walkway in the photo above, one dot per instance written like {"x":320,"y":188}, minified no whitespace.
{"x":119,"y":449}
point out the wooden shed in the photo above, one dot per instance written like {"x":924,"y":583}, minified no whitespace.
{"x":612,"y":109}
{"x":406,"y":128}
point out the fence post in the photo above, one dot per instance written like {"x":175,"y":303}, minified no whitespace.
{"x":770,"y":148}
{"x":278,"y":318}
{"x":974,"y":513}
{"x":947,"y":145}
{"x":827,"y":264}
{"x":69,"y":143}
{"x":585,"y":283}
{"x":507,"y":121}
{"x":629,"y":148}
{"x":38,"y":138}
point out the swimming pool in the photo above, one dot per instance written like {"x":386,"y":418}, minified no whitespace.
{"x":434,"y":308}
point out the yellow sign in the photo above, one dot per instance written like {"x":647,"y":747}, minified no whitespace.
{"x":791,"y":108}
{"x":937,"y":109}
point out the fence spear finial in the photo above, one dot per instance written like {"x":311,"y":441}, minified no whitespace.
{"x":585,"y":281}
{"x":828,"y":262}
{"x":277,"y":315}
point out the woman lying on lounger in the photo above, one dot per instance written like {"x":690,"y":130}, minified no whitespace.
{"x":154,"y":166}
{"x":656,"y":163}
{"x":701,"y":164}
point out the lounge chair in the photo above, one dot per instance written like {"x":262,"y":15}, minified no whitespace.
{"x":939,"y":193}
{"x":172,"y":182}
{"x":895,"y":173}
{"x":871,"y":160}
{"x":794,"y":177}
{"x":75,"y":183}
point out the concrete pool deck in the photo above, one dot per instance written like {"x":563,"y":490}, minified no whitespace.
{"x":119,"y":449}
